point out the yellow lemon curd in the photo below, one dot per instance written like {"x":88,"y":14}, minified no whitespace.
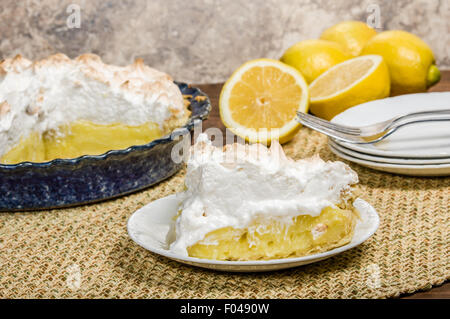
{"x":80,"y":138}
{"x":304,"y":236}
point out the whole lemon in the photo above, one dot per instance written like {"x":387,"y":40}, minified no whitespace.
{"x":313,"y":57}
{"x":352,"y":35}
{"x":411,"y":62}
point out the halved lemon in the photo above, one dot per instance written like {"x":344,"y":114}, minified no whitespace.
{"x":349,"y":83}
{"x":260,"y":100}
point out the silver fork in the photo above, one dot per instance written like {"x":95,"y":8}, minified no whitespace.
{"x":371,"y":133}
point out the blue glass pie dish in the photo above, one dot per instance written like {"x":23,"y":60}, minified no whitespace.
{"x":87,"y":179}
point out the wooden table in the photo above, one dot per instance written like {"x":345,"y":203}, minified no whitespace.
{"x":213,"y":91}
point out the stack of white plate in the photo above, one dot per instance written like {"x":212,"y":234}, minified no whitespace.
{"x":421,"y":149}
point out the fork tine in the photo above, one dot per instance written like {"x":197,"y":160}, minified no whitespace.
{"x":328,"y":131}
{"x":340,"y":128}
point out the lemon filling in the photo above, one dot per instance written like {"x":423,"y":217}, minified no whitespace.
{"x":305,"y":235}
{"x":80,"y":138}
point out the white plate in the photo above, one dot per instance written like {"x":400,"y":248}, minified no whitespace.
{"x":421,"y":140}
{"x":150,"y":228}
{"x":388,"y":160}
{"x":412,"y":170}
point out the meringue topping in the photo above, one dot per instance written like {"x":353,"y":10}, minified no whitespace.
{"x":240,"y":184}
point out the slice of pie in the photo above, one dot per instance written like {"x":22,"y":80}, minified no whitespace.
{"x":248,"y":202}
{"x":64,"y":108}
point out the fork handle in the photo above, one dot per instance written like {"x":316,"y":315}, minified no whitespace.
{"x":391,"y":129}
{"x":431,"y":115}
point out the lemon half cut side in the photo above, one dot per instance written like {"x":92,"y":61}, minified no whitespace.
{"x":260,"y":100}
{"x":349,"y":83}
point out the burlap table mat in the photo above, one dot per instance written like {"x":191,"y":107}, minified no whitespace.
{"x":85,"y":252}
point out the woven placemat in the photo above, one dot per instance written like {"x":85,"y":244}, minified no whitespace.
{"x":85,"y":252}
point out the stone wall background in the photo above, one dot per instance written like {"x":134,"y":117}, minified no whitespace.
{"x":202,"y":41}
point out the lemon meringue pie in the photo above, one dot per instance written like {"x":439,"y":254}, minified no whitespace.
{"x":250,"y":202}
{"x":64,"y":108}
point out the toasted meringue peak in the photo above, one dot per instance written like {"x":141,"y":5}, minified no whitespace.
{"x":239,"y":184}
{"x":4,"y":108}
{"x":32,"y":109}
{"x":63,"y":90}
{"x":89,"y":57}
{"x":16,"y":64}
{"x":139,"y":63}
